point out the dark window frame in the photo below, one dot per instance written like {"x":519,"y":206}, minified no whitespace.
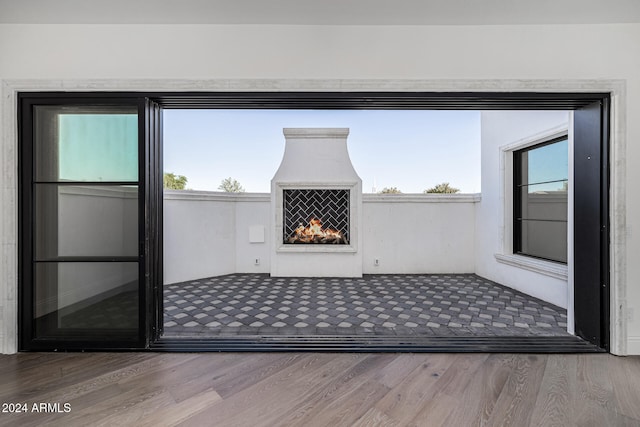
{"x":517,"y":197}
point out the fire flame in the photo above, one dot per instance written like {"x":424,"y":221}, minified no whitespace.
{"x":314,"y":233}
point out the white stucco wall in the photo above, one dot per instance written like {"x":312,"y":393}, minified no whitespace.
{"x":418,"y":233}
{"x":500,"y":129}
{"x":199,"y":236}
{"x":432,"y":234}
{"x":292,"y":57}
{"x":207,"y":234}
{"x":253,"y":210}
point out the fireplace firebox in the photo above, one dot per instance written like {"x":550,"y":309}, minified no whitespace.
{"x":315,"y":216}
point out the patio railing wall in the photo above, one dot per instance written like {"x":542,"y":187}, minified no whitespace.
{"x":207,"y":234}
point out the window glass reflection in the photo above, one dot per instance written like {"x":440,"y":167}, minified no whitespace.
{"x":541,"y":210}
{"x":97,"y":144}
{"x":85,"y":220}
{"x":548,"y":163}
{"x":545,"y":239}
{"x":71,"y":296}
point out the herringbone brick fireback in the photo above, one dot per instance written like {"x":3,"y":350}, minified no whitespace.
{"x":329,"y":206}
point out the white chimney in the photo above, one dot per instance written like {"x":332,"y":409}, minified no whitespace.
{"x":316,"y":155}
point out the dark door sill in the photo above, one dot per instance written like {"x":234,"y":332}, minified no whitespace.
{"x":411,"y":344}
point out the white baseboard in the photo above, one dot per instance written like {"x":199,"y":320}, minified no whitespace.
{"x":633,"y":346}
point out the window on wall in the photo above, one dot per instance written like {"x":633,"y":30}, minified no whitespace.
{"x":540,"y":200}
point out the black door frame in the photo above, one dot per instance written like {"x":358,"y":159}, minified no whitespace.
{"x":597,"y":334}
{"x":592,"y":222}
{"x":111,"y":339}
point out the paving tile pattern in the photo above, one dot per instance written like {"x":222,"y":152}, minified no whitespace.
{"x":434,"y":305}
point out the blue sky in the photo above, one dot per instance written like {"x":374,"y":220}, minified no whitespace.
{"x":408,"y":149}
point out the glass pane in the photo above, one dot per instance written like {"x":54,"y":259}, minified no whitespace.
{"x":544,"y":201}
{"x":86,"y":143}
{"x":545,"y":239}
{"x":75,"y":296}
{"x":84,"y":220}
{"x":546,"y":163}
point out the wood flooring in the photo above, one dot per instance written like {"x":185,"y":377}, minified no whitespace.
{"x":319,"y":389}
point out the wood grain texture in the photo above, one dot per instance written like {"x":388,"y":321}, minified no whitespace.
{"x":322,"y":389}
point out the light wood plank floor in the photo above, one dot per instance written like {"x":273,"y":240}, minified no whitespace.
{"x":321,"y":389}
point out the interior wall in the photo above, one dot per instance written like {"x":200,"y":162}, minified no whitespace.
{"x":79,"y":51}
{"x":502,"y":128}
{"x":8,"y":237}
{"x":292,"y":57}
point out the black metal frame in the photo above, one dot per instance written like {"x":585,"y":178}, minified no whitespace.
{"x":151,"y":241}
{"x":591,"y":222}
{"x":359,"y":344}
{"x":26,"y":255}
{"x":517,"y":198}
{"x":153,"y":226}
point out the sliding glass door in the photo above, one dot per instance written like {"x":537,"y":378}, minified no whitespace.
{"x":90,"y":208}
{"x":83,"y":223}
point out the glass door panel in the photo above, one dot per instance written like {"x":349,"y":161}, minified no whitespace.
{"x":85,"y":214}
{"x":86,"y":143}
{"x":87,"y":221}
{"x":74,"y":298}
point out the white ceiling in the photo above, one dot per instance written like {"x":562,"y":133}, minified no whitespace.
{"x":320,"y":12}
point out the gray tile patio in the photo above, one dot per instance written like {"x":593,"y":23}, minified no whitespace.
{"x":379,"y":305}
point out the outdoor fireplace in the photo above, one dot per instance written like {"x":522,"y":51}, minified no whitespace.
{"x":316,"y":199}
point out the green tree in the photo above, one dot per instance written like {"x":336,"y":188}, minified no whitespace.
{"x":389,"y":190}
{"x":172,"y":181}
{"x":230,"y":185}
{"x":443,"y":188}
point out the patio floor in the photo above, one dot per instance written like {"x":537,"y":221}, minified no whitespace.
{"x":378,"y":305}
